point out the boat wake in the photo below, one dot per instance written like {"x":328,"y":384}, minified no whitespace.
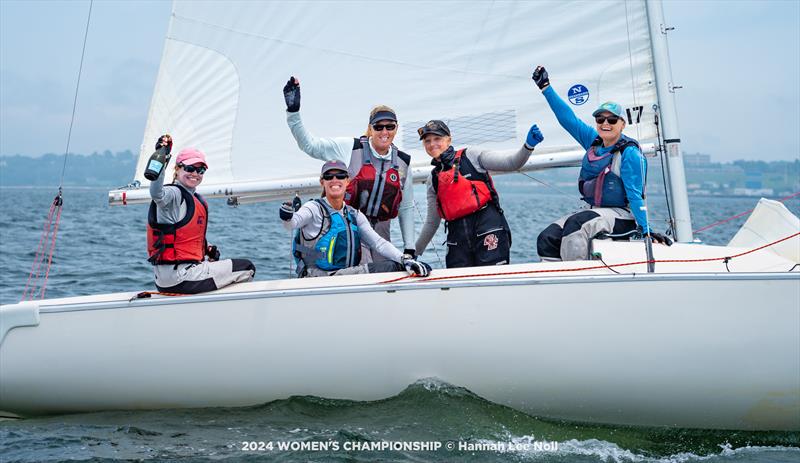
{"x":428,"y":410}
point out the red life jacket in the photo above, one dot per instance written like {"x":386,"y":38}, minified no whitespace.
{"x":182,"y":242}
{"x":461,"y":189}
{"x":376,"y":192}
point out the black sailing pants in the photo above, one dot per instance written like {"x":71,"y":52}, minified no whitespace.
{"x":479,"y":239}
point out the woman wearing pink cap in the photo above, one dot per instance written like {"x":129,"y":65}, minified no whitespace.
{"x":183,"y":260}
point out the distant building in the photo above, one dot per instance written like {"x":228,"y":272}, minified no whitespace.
{"x":753,"y":192}
{"x":696,"y":159}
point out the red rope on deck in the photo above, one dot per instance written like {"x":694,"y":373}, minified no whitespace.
{"x":597,"y":267}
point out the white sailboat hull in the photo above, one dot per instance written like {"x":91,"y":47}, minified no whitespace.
{"x":704,"y":350}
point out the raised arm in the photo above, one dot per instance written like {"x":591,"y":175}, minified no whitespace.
{"x":324,"y":149}
{"x":582,"y":133}
{"x":167,"y":199}
{"x":507,"y":161}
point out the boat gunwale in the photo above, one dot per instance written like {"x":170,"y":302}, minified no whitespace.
{"x":467,"y":281}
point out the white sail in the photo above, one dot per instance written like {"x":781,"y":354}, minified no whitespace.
{"x":225,"y":63}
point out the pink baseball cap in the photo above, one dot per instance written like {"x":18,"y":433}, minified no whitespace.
{"x":190,"y":156}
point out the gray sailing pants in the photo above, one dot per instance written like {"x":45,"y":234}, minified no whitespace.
{"x":203,"y":277}
{"x":568,"y":237}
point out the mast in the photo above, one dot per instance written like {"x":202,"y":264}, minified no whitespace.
{"x":676,"y":185}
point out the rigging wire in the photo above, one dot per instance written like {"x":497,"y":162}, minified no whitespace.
{"x":433,"y":242}
{"x":660,"y":150}
{"x":37,"y":283}
{"x":643,"y":166}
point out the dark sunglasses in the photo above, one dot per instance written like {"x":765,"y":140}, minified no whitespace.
{"x":379,"y":127}
{"x":192,"y":169}
{"x":339,"y":176}
{"x":611,"y":119}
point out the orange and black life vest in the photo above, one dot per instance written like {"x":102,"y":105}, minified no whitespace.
{"x":182,"y":242}
{"x":462,"y":190}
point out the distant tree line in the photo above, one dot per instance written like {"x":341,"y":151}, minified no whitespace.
{"x":105,"y":169}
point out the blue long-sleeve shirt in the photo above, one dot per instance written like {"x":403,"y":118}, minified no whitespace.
{"x":632,"y":165}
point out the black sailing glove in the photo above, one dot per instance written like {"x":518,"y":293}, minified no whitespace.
{"x":286,"y":212}
{"x":659,"y":238}
{"x":213,"y":253}
{"x":291,"y":93}
{"x":416,"y":267}
{"x":164,"y":140}
{"x":410,"y":252}
{"x":541,"y":78}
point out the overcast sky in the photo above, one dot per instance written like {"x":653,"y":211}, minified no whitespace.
{"x":737,"y":60}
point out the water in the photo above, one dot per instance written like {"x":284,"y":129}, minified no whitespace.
{"x":102,"y":249}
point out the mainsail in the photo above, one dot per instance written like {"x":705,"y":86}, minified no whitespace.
{"x":225,"y":63}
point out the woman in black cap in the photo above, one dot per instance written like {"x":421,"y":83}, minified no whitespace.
{"x":376,"y":167}
{"x":460,"y":191}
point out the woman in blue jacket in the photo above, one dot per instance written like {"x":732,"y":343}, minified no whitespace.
{"x":611,"y":181}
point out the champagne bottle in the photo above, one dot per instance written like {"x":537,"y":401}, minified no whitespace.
{"x":159,"y":159}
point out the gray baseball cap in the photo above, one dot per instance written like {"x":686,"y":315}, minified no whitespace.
{"x":333,"y":165}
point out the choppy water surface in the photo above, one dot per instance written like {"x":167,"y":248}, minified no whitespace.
{"x":102,"y":249}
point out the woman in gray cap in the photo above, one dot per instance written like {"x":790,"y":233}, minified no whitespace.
{"x":377,"y":168}
{"x":329,"y":234}
{"x":460,"y":191}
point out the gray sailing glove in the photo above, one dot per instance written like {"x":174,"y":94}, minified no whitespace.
{"x":291,"y":93}
{"x":415,"y":267}
{"x":541,"y":78}
{"x":534,"y":137}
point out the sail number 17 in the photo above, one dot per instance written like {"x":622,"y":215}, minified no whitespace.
{"x":634,"y":113}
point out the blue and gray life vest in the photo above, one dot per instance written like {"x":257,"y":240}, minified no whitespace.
{"x":599,"y":182}
{"x":336,"y":246}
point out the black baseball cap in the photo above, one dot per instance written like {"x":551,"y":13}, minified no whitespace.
{"x":383,"y":116}
{"x":434,"y":126}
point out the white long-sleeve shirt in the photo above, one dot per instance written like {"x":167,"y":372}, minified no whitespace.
{"x":340,"y":148}
{"x":309,"y":220}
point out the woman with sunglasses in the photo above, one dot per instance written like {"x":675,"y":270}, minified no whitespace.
{"x":611,"y":181}
{"x":461,"y":191}
{"x":182,"y":259}
{"x":329,"y":234}
{"x":377,"y":168}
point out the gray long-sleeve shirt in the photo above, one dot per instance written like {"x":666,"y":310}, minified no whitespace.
{"x":483,"y":160}
{"x":169,"y":207}
{"x":309,"y":220}
{"x":340,"y":148}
